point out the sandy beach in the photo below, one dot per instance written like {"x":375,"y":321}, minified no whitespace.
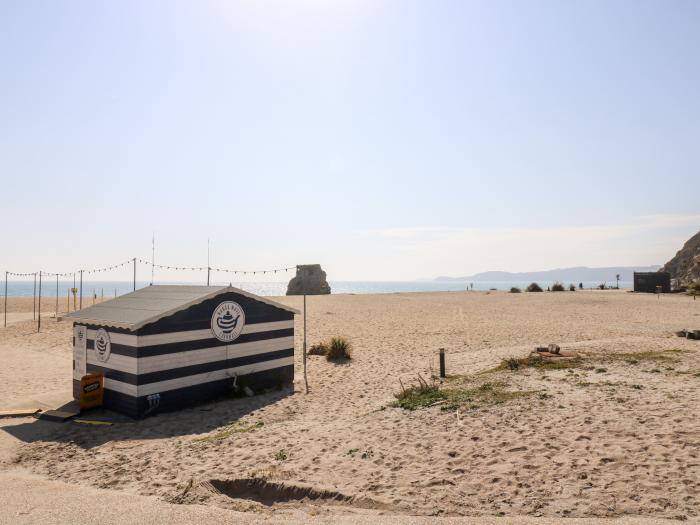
{"x":614,"y":437}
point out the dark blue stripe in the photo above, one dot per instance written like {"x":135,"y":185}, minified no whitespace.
{"x":137,"y":407}
{"x":169,"y":348}
{"x":185,"y":371}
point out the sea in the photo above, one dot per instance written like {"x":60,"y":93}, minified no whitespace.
{"x":109,"y":289}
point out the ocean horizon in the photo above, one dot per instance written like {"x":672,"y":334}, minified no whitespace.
{"x":109,"y":289}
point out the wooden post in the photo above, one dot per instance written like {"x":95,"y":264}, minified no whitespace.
{"x":6,"y":298}
{"x":306,"y":380}
{"x":38,"y":327}
{"x":208,"y":272}
{"x":56,"y":297}
{"x":442,"y":363}
{"x":81,"y":290}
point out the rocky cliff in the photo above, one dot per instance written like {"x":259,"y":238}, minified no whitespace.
{"x":685,"y":266}
{"x":309,"y":280}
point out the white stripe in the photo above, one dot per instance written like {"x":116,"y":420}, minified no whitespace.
{"x":198,"y":379}
{"x":123,"y":363}
{"x":115,"y":338}
{"x":207,"y":355}
{"x":187,"y":335}
{"x":157,"y":363}
{"x":118,"y":386}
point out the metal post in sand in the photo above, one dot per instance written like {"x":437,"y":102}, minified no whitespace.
{"x":56,"y":297}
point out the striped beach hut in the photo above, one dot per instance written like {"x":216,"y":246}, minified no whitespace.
{"x":165,"y":347}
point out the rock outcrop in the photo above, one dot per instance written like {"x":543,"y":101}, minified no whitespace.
{"x":685,"y":266}
{"x":309,"y":280}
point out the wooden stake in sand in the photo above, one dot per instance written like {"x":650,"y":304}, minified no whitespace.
{"x":306,"y":381}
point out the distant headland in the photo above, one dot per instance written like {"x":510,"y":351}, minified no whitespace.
{"x":579,"y":273}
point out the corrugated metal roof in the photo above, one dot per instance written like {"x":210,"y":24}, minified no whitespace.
{"x":149,"y":304}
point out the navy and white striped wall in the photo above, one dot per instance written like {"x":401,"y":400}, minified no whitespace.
{"x":178,"y":361}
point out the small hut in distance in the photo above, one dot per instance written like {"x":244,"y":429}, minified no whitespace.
{"x":648,"y":281}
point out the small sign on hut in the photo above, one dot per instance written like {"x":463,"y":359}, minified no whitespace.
{"x":166,"y":347}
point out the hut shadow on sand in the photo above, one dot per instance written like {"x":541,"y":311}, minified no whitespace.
{"x":191,"y":421}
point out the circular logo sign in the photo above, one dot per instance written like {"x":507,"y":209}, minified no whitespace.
{"x":103,"y":346}
{"x":227,"y":321}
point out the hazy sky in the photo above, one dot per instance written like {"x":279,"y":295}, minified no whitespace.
{"x":383,"y":139}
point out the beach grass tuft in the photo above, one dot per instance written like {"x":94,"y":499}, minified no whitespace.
{"x":460,"y":395}
{"x":558,"y":287}
{"x":336,"y":349}
{"x":318,"y":349}
{"x":339,"y":349}
{"x":419,"y":395}
{"x":516,"y":363}
{"x":533,"y":287}
{"x":457,"y":393}
{"x":634,"y":358}
{"x":515,"y":289}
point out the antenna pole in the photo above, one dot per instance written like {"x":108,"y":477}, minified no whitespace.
{"x":38,"y":328}
{"x":81,"y":290}
{"x":134,"y":273}
{"x":153,"y":257}
{"x":34,"y":296}
{"x":6,"y":298}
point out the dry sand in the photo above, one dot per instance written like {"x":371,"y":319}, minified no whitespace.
{"x":617,"y":437}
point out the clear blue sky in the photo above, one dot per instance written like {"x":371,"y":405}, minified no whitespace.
{"x":384,"y":139}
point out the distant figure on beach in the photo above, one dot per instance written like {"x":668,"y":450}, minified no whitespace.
{"x":471,"y":286}
{"x":580,"y":286}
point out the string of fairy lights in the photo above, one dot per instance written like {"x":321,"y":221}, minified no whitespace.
{"x":213,"y":269}
{"x":135,"y":260}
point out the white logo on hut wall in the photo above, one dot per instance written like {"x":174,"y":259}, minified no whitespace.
{"x":103,"y":346}
{"x":227,"y":321}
